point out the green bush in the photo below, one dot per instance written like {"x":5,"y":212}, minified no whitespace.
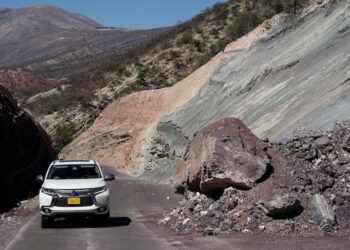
{"x":202,"y":59}
{"x":187,"y":38}
{"x":243,"y":24}
{"x":165,"y":45}
{"x":173,"y":54}
{"x":198,"y":45}
{"x":63,"y":135}
{"x":218,"y":47}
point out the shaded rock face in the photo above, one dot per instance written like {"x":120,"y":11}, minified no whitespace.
{"x":25,"y":151}
{"x":221,"y":155}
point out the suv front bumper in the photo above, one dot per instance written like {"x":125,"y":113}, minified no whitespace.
{"x":50,"y":206}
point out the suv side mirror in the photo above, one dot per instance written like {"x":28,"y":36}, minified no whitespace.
{"x":39,"y":179}
{"x":109,"y":177}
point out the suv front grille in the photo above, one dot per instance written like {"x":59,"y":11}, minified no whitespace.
{"x":63,"y":202}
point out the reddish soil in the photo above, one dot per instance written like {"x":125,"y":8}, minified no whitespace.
{"x":19,"y":78}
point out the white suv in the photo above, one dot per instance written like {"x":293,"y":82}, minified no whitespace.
{"x":74,"y":187}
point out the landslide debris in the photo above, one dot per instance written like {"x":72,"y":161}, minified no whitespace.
{"x":25,"y":151}
{"x":307,"y":193}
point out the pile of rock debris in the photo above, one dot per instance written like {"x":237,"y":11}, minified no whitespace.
{"x":234,"y":182}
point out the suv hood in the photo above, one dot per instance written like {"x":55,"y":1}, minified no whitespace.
{"x":74,"y":183}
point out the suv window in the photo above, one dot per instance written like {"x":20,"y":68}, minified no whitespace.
{"x":74,"y":172}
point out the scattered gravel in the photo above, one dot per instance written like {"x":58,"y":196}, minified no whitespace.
{"x":13,"y":220}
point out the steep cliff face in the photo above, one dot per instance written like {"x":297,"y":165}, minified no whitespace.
{"x":300,"y":77}
{"x":25,"y":151}
{"x":296,"y":75}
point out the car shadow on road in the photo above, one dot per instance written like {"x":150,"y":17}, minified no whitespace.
{"x":90,"y":223}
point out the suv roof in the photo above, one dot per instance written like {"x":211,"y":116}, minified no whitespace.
{"x":73,"y":162}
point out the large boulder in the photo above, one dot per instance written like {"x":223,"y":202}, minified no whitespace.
{"x":25,"y":151}
{"x":224,"y":154}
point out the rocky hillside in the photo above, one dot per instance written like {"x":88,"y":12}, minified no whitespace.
{"x":157,"y":63}
{"x":157,"y":153}
{"x":50,"y":41}
{"x":25,"y":151}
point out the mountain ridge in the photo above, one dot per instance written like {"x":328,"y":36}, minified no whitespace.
{"x":50,"y":41}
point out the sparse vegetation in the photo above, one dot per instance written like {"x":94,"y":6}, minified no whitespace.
{"x":173,"y":54}
{"x":187,"y":38}
{"x":63,"y":135}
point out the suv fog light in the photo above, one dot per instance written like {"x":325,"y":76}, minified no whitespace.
{"x":46,"y":210}
{"x":102,"y":209}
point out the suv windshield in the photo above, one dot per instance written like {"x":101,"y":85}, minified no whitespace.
{"x":74,"y":172}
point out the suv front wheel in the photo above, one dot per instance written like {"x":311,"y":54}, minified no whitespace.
{"x":103,"y":219}
{"x":46,"y":221}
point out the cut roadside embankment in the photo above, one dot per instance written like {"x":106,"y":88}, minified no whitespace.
{"x":120,"y":131}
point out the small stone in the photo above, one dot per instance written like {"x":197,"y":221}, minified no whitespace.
{"x":335,"y":162}
{"x":246,"y":231}
{"x":280,"y":204}
{"x":322,"y":214}
{"x":261,"y":227}
{"x":238,"y":214}
{"x":202,"y":213}
{"x":208,"y":231}
{"x":306,"y":146}
{"x":322,"y":141}
{"x":332,"y":157}
{"x":168,"y":197}
{"x":185,"y":221}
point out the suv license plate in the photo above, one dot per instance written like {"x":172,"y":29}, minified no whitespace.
{"x":73,"y":201}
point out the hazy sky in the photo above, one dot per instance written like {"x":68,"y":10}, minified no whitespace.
{"x":140,"y":14}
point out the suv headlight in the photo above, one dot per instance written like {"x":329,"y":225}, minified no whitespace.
{"x":100,"y":190}
{"x":48,"y":191}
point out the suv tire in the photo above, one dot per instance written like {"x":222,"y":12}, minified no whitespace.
{"x":46,"y":221}
{"x":103,"y":219}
